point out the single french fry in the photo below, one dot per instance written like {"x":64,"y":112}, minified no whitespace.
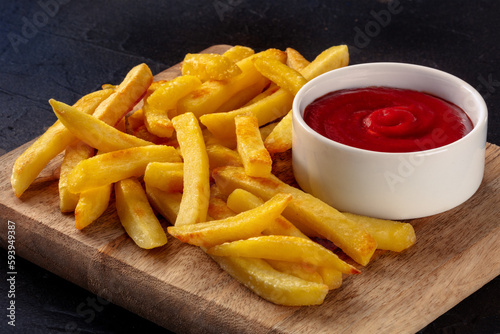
{"x":300,"y":270}
{"x":196,"y":189}
{"x":209,"y":66}
{"x":210,"y":139}
{"x":241,"y":200}
{"x":279,"y":73}
{"x":238,"y":52}
{"x":94,"y":132}
{"x":31,"y":162}
{"x":390,"y":235}
{"x":280,"y":139}
{"x":167,"y":176}
{"x":268,"y":109}
{"x":295,"y":60}
{"x":244,"y":225}
{"x":256,"y":159}
{"x":91,"y":205}
{"x":272,"y":285}
{"x":111,"y":167}
{"x":137,"y":216}
{"x":213,"y":94}
{"x":304,"y":209}
{"x":125,"y":96}
{"x":331,"y":277}
{"x":244,"y":96}
{"x":134,"y":121}
{"x":283,"y":248}
{"x":163,"y":100}
{"x":218,"y":209}
{"x":166,"y":203}
{"x":330,"y":59}
{"x":74,"y":153}
{"x":219,"y":155}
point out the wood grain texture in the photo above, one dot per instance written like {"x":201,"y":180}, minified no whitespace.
{"x":181,"y":288}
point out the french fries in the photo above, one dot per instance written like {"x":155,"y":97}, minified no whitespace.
{"x":137,"y":216}
{"x":283,"y":248}
{"x":244,"y":225}
{"x":304,"y":209}
{"x":256,"y":159}
{"x":279,"y":73}
{"x":167,"y":176}
{"x":198,"y":150}
{"x":163,"y":100}
{"x":111,"y":167}
{"x":196,"y":188}
{"x":209,"y":66}
{"x":55,"y":140}
{"x":93,"y":131}
{"x":74,"y":153}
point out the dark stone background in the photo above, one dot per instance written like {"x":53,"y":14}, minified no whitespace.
{"x":63,"y":49}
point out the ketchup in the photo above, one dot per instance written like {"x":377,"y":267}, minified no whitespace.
{"x":387,"y":119}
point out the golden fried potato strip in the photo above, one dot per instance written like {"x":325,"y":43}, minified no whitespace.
{"x":126,"y":95}
{"x":74,"y":153}
{"x":137,"y":216}
{"x":254,"y":156}
{"x":111,"y":167}
{"x":283,"y":248}
{"x":31,"y":162}
{"x":304,"y":209}
{"x":93,"y":131}
{"x":196,"y":189}
{"x":244,"y":225}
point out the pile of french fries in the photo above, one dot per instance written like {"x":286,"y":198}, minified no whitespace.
{"x":198,"y":150}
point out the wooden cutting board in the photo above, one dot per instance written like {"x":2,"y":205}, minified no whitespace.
{"x":182,"y":289}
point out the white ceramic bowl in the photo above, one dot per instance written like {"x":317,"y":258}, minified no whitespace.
{"x":390,"y":185}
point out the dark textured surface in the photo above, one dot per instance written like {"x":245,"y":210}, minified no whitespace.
{"x":64,"y":49}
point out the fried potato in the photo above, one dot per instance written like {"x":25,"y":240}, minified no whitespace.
{"x":272,"y":285}
{"x":390,"y":235}
{"x":137,"y":216}
{"x":196,"y":189}
{"x":279,"y":73}
{"x":34,"y":159}
{"x":243,"y":97}
{"x":219,"y":155}
{"x":163,"y":100}
{"x":280,"y":138}
{"x":241,"y":200}
{"x":125,"y":96}
{"x":295,"y":60}
{"x":94,"y":132}
{"x":255,"y":158}
{"x":304,"y":209}
{"x":209,"y":66}
{"x":283,"y":248}
{"x":111,"y":167}
{"x":244,"y":225}
{"x":74,"y":153}
{"x":166,"y":203}
{"x":213,"y":94}
{"x":238,"y":52}
{"x":267,"y":109}
{"x":91,"y":205}
{"x":330,"y":59}
{"x":167,"y":176}
{"x":300,"y":270}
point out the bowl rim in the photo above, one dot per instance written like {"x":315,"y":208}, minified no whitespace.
{"x":482,"y":109}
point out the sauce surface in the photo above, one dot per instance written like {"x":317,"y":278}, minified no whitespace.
{"x":387,"y":119}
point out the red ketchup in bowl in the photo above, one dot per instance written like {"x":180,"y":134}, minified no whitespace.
{"x":387,"y":119}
